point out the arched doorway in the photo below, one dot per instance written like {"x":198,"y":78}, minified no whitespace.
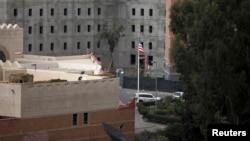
{"x":2,"y":56}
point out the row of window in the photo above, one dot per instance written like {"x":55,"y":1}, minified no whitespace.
{"x":85,"y":119}
{"x":150,"y":28}
{"x":133,"y":59}
{"x":65,"y":29}
{"x":150,"y":12}
{"x":52,"y":11}
{"x":78,"y":45}
{"x":65,"y":46}
{"x":79,"y":29}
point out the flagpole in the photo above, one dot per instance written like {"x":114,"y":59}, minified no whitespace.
{"x":138,"y":69}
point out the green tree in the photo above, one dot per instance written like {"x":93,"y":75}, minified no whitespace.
{"x":211,"y":50}
{"x":112,"y":36}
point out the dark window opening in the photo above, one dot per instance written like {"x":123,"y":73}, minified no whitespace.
{"x":150,"y":45}
{"x":150,"y":29}
{"x":85,"y":118}
{"x":99,"y":11}
{"x":30,"y":29}
{"x":52,"y":11}
{"x":133,"y":28}
{"x":51,"y":29}
{"x":30,"y":12}
{"x":65,"y":11}
{"x":65,"y":46}
{"x":15,"y":12}
{"x":30,"y":47}
{"x":98,"y":27}
{"x":98,"y":44}
{"x":89,"y":28}
{"x":79,"y":28}
{"x":142,"y":28}
{"x":89,"y":11}
{"x":41,"y":12}
{"x":132,"y":59}
{"x":74,"y":119}
{"x":51,"y":46}
{"x":88,"y":45}
{"x":78,"y":45}
{"x":41,"y":29}
{"x":133,"y":44}
{"x":133,"y":11}
{"x":150,"y":59}
{"x":65,"y":28}
{"x":79,"y":11}
{"x":142,"y":12}
{"x":150,"y":12}
{"x":41,"y":47}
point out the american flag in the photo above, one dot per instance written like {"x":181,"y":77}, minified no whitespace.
{"x":140,"y":48}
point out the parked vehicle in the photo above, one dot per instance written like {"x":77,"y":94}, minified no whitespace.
{"x":178,"y":95}
{"x":145,"y":97}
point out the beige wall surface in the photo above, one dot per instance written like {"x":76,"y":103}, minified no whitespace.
{"x":10,"y":100}
{"x":46,"y":99}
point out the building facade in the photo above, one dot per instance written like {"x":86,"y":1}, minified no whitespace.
{"x":169,"y":70}
{"x":72,"y":27}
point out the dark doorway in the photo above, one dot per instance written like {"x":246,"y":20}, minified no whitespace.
{"x":2,"y":56}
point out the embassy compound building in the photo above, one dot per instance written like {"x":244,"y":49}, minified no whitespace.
{"x":73,"y":27}
{"x":57,"y":98}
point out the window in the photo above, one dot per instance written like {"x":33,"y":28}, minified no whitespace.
{"x":30,"y":29}
{"x":52,"y":29}
{"x":41,"y":47}
{"x":79,"y":11}
{"x":133,"y":28}
{"x":51,"y":46}
{"x":98,"y":44}
{"x":98,"y":27}
{"x":88,"y":45}
{"x":30,"y":47}
{"x":78,"y":45}
{"x":65,"y":28}
{"x":52,"y":12}
{"x":65,"y":11}
{"x":150,"y":60}
{"x":132,"y":59}
{"x":89,"y":28}
{"x":41,"y":29}
{"x":30,"y":12}
{"x":142,"y":28}
{"x":150,"y":45}
{"x":74,"y":119}
{"x":85,"y":118}
{"x":15,"y":12}
{"x":89,"y":11}
{"x":65,"y":46}
{"x":150,"y":12}
{"x":133,"y":44}
{"x":41,"y":12}
{"x":142,"y":12}
{"x":79,"y":28}
{"x":133,"y":11}
{"x":150,"y":29}
{"x":99,"y":11}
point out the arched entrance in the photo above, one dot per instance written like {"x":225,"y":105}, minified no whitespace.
{"x":4,"y":54}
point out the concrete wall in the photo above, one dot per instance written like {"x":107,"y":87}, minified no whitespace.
{"x":10,"y":100}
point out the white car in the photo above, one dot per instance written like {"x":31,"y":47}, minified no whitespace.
{"x":178,"y":95}
{"x":145,"y":97}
